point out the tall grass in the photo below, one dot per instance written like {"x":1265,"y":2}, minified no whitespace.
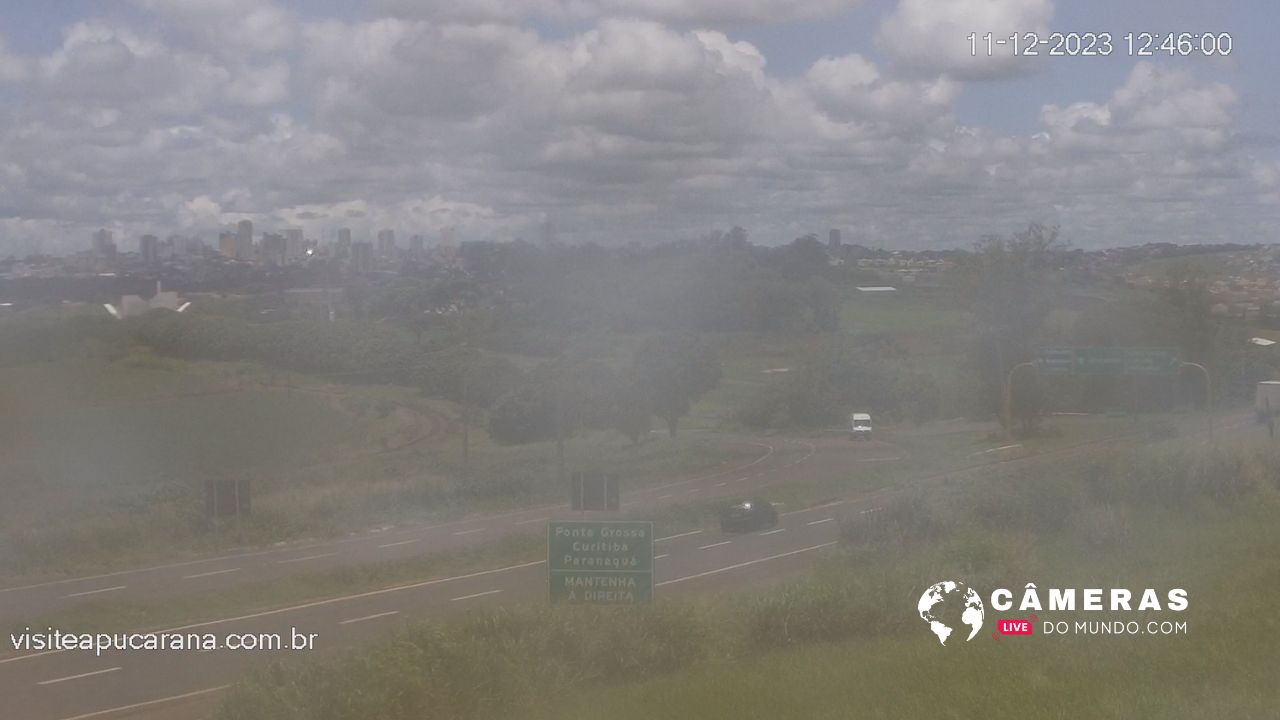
{"x":1070,"y":519}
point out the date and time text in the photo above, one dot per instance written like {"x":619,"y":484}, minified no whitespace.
{"x":1102,"y":44}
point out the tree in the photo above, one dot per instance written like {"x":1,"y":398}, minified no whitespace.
{"x":674,"y":371}
{"x":1011,"y":285}
{"x":631,"y":411}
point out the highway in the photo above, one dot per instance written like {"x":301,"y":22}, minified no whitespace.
{"x":21,"y":603}
{"x":174,"y":685}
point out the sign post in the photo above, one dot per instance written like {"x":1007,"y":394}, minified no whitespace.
{"x":600,"y":563}
{"x":595,"y":491}
{"x":1117,"y":361}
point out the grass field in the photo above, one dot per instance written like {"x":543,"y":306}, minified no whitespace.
{"x":1218,"y":670}
{"x":105,"y":461}
{"x":847,"y":642}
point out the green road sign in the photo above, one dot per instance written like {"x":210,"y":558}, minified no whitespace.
{"x":1108,"y":361}
{"x":600,"y":563}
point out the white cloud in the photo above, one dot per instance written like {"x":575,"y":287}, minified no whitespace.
{"x":933,"y":37}
{"x":709,"y":12}
{"x":12,"y":67}
{"x":628,"y":129}
{"x":232,"y":27}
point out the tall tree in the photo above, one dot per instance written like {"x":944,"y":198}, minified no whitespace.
{"x":674,"y":371}
{"x":1011,"y":284}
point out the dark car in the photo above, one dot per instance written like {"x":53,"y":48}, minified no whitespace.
{"x":748,"y":515}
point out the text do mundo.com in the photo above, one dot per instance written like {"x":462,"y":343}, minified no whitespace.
{"x":51,"y":640}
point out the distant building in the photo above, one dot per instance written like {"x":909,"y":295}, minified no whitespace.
{"x":227,"y":244}
{"x":104,"y":245}
{"x":361,"y":257}
{"x":386,"y":243}
{"x":149,"y":249}
{"x":342,"y":250}
{"x":244,"y":240}
{"x":416,"y":244}
{"x":134,"y":305}
{"x":294,"y":247}
{"x":272,"y":250}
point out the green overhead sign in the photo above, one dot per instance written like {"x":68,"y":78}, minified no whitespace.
{"x":600,"y":563}
{"x":1108,"y":361}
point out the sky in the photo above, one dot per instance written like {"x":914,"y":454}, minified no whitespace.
{"x":616,"y":121}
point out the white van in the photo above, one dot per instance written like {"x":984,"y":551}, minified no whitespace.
{"x":860,"y":426}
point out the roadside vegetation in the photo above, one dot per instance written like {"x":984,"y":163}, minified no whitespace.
{"x":441,"y":392}
{"x":1200,"y":518}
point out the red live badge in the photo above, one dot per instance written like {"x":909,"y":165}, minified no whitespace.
{"x":1014,"y":626}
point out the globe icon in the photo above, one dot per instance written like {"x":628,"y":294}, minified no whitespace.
{"x":950,"y":605}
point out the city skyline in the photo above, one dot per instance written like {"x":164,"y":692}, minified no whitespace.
{"x":630,"y":121}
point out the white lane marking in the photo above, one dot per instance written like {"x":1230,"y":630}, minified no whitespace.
{"x":664,"y":497}
{"x":149,"y":703}
{"x":370,"y":617}
{"x":695,"y":490}
{"x":744,"y":477}
{"x":476,"y":595}
{"x":93,"y":592}
{"x":771,"y":532}
{"x":722,"y":484}
{"x":210,"y":574}
{"x":659,"y":557}
{"x":398,"y":544}
{"x":309,"y":605}
{"x":757,"y":461}
{"x":77,"y":677}
{"x":745,"y":564}
{"x":118,"y":573}
{"x":683,"y":534}
{"x":998,"y":449}
{"x":468,"y":532}
{"x":715,"y":545}
{"x":883,"y":459}
{"x":869,"y":510}
{"x":304,"y":559}
{"x":535,"y":520}
{"x":819,"y":522}
{"x":815,"y":507}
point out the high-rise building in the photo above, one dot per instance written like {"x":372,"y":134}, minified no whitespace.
{"x":228,"y":244}
{"x":104,"y":245}
{"x":149,"y":249}
{"x":244,"y":240}
{"x":386,"y":243}
{"x":833,"y":239}
{"x":272,"y":250}
{"x":343,"y":247}
{"x":361,"y":257}
{"x":416,"y":244}
{"x":293,"y":244}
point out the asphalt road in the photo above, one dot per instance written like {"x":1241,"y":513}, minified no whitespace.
{"x":180,"y":685}
{"x":21,"y":603}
